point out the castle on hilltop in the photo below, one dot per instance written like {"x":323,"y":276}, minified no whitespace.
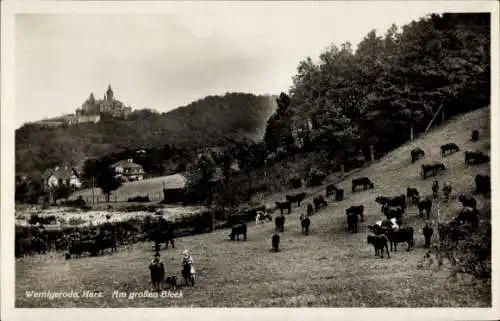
{"x":92,"y":110}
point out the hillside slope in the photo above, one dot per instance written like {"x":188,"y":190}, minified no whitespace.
{"x":210,"y":121}
{"x":330,"y":267}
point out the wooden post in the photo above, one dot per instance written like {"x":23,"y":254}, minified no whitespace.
{"x":342,"y":171}
{"x":372,"y":153}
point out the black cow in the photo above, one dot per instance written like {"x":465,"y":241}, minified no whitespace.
{"x":339,"y":194}
{"x":279,"y":222}
{"x":475,"y":158}
{"x":412,"y":195}
{"x":296,"y":198}
{"x":330,"y":190}
{"x":416,"y":153}
{"x":427,"y":231}
{"x":433,"y":168}
{"x":468,"y":215}
{"x":424,"y":204}
{"x":106,"y":242}
{"x":474,"y":136}
{"x":399,"y":200}
{"x":310,"y":209}
{"x":284,"y":206}
{"x":362,"y":181}
{"x":305,"y":222}
{"x":452,"y":231}
{"x":237,"y":230}
{"x":352,"y":222}
{"x":448,"y":149}
{"x":376,"y":229}
{"x":435,"y":189}
{"x":467,"y":201}
{"x":319,"y":201}
{"x":357,"y":210}
{"x":77,"y":247}
{"x":393,"y":212}
{"x":379,"y":242}
{"x":483,"y":184}
{"x":275,"y":242}
{"x":401,"y":235}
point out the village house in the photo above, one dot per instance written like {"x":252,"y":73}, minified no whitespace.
{"x":128,"y":171}
{"x":61,"y":176}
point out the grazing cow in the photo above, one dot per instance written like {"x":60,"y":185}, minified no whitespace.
{"x":424,"y":204}
{"x":475,"y":158}
{"x":275,"y":242}
{"x":352,"y":222}
{"x":296,"y":198}
{"x":171,"y":281}
{"x":279,"y":222}
{"x":376,"y":228}
{"x":393,"y":212}
{"x":468,"y":215}
{"x":78,"y":247}
{"x":157,"y":270}
{"x":483,"y":184}
{"x":393,"y":223}
{"x":237,"y":230}
{"x":330,"y":189}
{"x":452,"y":231}
{"x":433,"y":168}
{"x":401,"y":235}
{"x":435,"y":189}
{"x":467,"y":201}
{"x":362,"y":181}
{"x":379,"y":242}
{"x":310,"y":209}
{"x":412,"y":195}
{"x":162,"y":234}
{"x":427,"y":231}
{"x":284,"y":206}
{"x":416,"y":153}
{"x":262,"y":216}
{"x":448,"y":149}
{"x":106,"y":242}
{"x":319,"y":201}
{"x":305,"y":222}
{"x":447,"y":191}
{"x":357,"y":210}
{"x":392,"y":201}
{"x":474,"y":136}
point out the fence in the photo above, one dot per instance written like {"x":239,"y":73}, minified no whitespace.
{"x":98,"y":199}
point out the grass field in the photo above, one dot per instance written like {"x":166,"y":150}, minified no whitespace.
{"x":330,"y":267}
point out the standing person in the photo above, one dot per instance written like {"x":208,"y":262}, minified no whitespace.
{"x":157,"y":269}
{"x":187,"y":262}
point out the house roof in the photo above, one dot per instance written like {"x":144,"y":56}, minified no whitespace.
{"x":59,"y":173}
{"x":174,"y":181}
{"x":126,"y":164}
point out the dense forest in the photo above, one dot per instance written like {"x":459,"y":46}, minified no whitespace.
{"x":211,"y":121}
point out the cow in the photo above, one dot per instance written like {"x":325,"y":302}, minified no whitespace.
{"x":475,"y":158}
{"x":483,"y":184}
{"x":451,"y":231}
{"x":435,"y":189}
{"x":433,"y":168}
{"x":448,"y":149}
{"x":310,"y":209}
{"x":475,"y":135}
{"x":393,"y":212}
{"x":468,"y":215}
{"x":352,"y":222}
{"x":106,"y":242}
{"x":319,"y":201}
{"x":356,"y":209}
{"x":401,"y":235}
{"x":330,"y":190}
{"x":376,"y":229}
{"x":339,"y":194}
{"x":416,"y":153}
{"x":296,"y":198}
{"x":427,"y":231}
{"x":391,"y":201}
{"x":237,"y":230}
{"x":284,"y":206}
{"x":412,"y":195}
{"x":305,"y":222}
{"x":447,"y":191}
{"x":78,"y":247}
{"x":275,"y":242}
{"x":379,"y":242}
{"x":362,"y":181}
{"x":467,"y":201}
{"x":279,"y":222}
{"x":262,"y":216}
{"x":424,"y":204}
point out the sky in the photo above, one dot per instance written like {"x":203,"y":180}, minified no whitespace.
{"x":167,"y":59}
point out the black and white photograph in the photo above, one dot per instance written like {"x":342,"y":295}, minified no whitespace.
{"x":265,"y":154}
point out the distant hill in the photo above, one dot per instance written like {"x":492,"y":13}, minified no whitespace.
{"x":211,"y":121}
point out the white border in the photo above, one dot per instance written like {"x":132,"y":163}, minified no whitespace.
{"x":10,"y":8}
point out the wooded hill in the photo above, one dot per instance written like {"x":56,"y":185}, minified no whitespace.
{"x":211,"y":121}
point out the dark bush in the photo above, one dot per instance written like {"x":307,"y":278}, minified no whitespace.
{"x":139,"y":199}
